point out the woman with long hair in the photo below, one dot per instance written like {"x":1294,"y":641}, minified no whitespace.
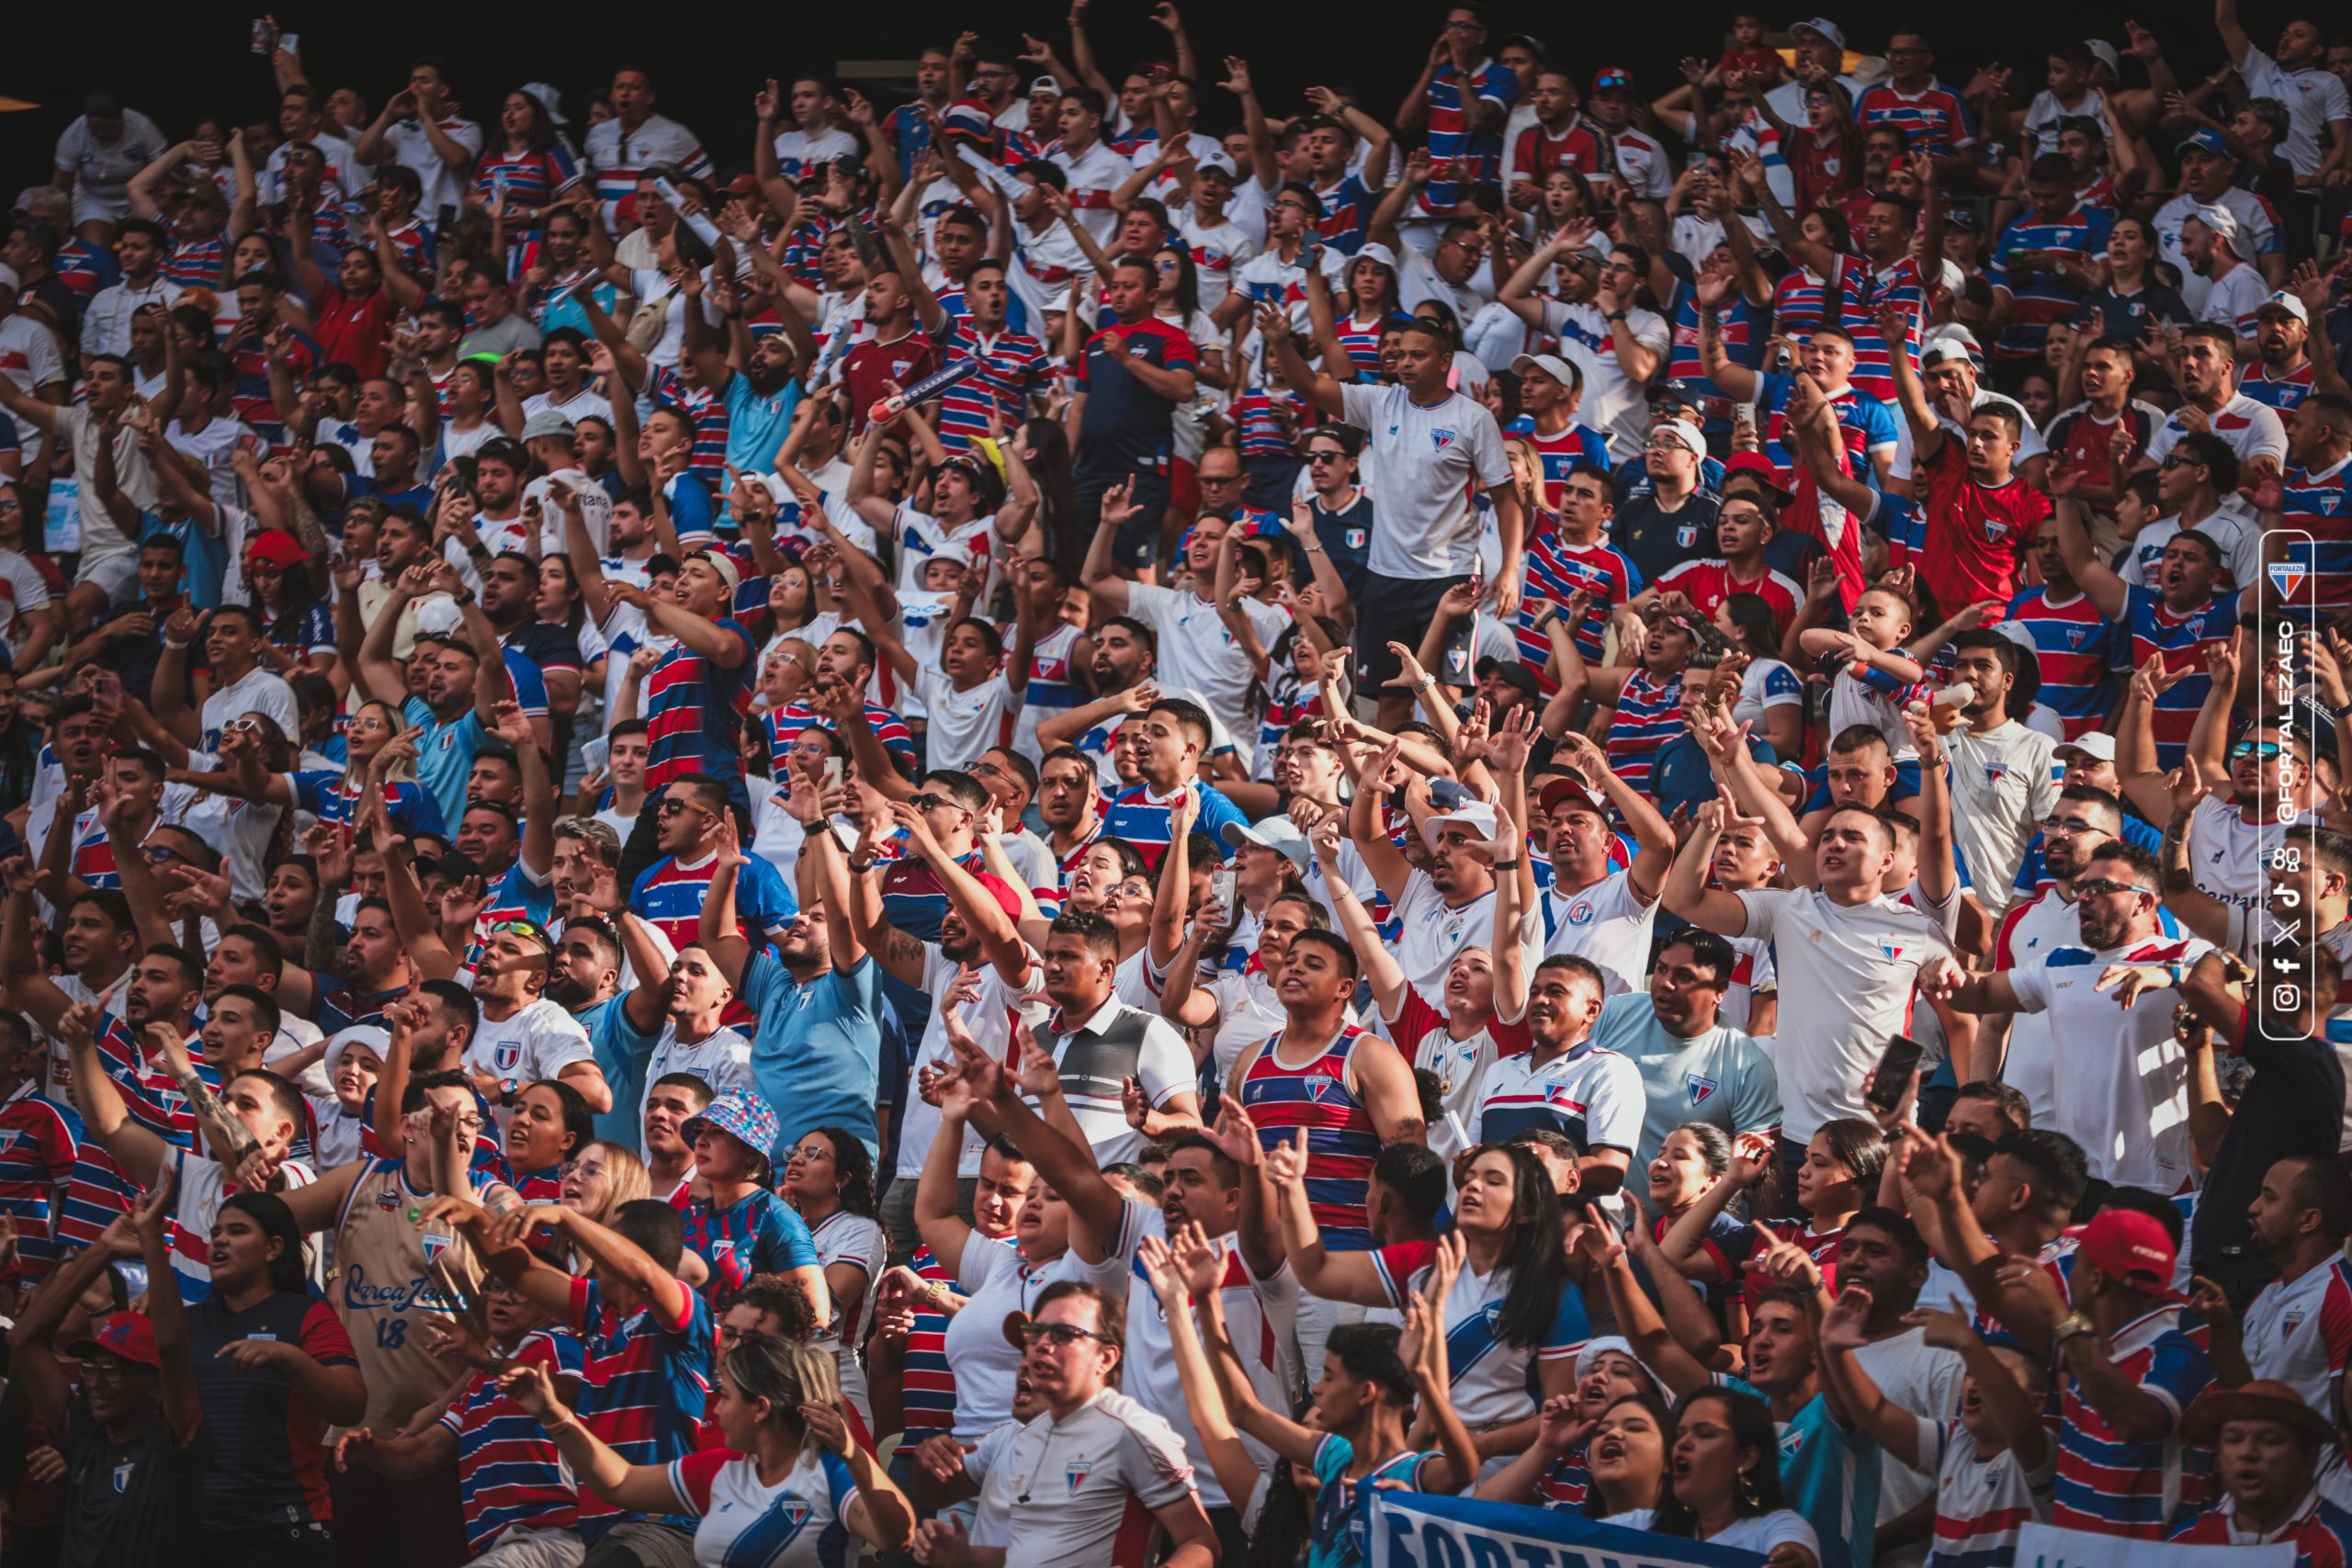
{"x":1372,"y":302}
{"x":601,"y":1177}
{"x":300,"y":635}
{"x":529,"y":166}
{"x":829,"y":1176}
{"x":1561,"y":1469}
{"x":776,"y":1403}
{"x":1838,"y":1177}
{"x":1771,"y":696}
{"x":1044,"y":447}
{"x":274,"y":1369}
{"x":1514,"y":1281}
{"x":1695,"y":1158}
{"x":551,"y":1123}
{"x":1724,"y":1482}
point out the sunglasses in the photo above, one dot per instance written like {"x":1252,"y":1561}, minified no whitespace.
{"x":2092,"y":887}
{"x":672,"y":807}
{"x":2182,"y":460}
{"x":1062,"y":1333}
{"x":531,"y":928}
{"x":1326,"y":456}
{"x":2266,"y":749}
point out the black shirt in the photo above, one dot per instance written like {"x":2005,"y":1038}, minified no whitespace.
{"x":1346,"y":539}
{"x":1658,"y":540}
{"x":2292,"y":1107}
{"x":2128,"y":316}
{"x":129,"y":1502}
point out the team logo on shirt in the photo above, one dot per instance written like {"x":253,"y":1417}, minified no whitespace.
{"x":2289,"y":1322}
{"x":1686,"y":535}
{"x":1701,"y":1088}
{"x":2075,"y":636}
{"x":1995,"y":771}
{"x":1076,"y":1472}
{"x":506,"y":1055}
{"x":1440,"y":439}
{"x":2285,"y":576}
{"x":1994,"y":529}
{"x":1890,"y":947}
{"x":1581,"y":912}
{"x":122,"y":1476}
{"x":434,"y":1246}
{"x":1319,"y":1090}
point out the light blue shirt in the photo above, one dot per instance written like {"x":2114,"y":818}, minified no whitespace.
{"x":1719,"y":1077}
{"x":817,"y":1056}
{"x":622,"y":1052}
{"x":445,"y":755}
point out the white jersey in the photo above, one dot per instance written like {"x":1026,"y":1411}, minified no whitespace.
{"x":1262,"y":1315}
{"x":2120,"y":1088}
{"x":2225,"y":854}
{"x":2047,"y":920}
{"x":1607,"y":924}
{"x":2299,"y":1331}
{"x":997,"y":1281}
{"x":1090,"y":1465}
{"x":2003,"y":786}
{"x":796,"y":1523}
{"x":539,"y":1041}
{"x":721,"y":1059}
{"x":2230,"y":526}
{"x":989,"y":1018}
{"x":2248,"y":428}
{"x":1432,"y":931}
{"x":1491,"y":1379}
{"x":1979,"y":1502}
{"x":856,"y":1242}
{"x":1592,"y":1096}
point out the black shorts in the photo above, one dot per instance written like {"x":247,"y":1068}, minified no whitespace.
{"x":1139,"y":541}
{"x":1394,"y":609}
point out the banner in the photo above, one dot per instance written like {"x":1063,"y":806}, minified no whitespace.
{"x":2047,"y":1546}
{"x":1417,"y":1529}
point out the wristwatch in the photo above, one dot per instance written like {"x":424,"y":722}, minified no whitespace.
{"x":507,"y":1088}
{"x":2068,"y":1328}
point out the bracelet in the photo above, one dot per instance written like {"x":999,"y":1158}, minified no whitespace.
{"x":2342,"y":713}
{"x":1511,"y":864}
{"x":1425,"y":683}
{"x":169,"y":643}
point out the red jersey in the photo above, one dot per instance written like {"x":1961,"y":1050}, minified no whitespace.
{"x":1977,"y":536}
{"x":864,"y":368}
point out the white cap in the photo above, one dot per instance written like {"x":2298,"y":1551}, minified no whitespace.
{"x":2224,"y":224}
{"x":1279,"y":834}
{"x":2097,"y":745}
{"x":1821,"y":25}
{"x":2290,"y":303}
{"x":438,"y":616}
{"x":549,"y":99}
{"x":1683,"y":431}
{"x":1478,"y":814}
{"x":1044,"y":85}
{"x":1942,"y":351}
{"x":1216,"y":160}
{"x":1374,"y":251}
{"x":2106,"y":54}
{"x":368,"y":1035}
{"x":1552,"y":365}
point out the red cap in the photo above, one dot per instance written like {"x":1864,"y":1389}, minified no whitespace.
{"x":276,"y":547}
{"x":128,"y":1334}
{"x":2132,"y":1247}
{"x":1762,"y":467}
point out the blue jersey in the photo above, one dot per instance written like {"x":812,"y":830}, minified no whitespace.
{"x":2040,"y":297}
{"x":2320,"y":504}
{"x":643,"y":1387}
{"x":759,"y":1234}
{"x":2074,"y":645}
{"x":669,"y":898}
{"x":330,"y":797}
{"x":694,"y":712}
{"x":1143,"y":822}
{"x":444,"y":755}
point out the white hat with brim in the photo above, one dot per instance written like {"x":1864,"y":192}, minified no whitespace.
{"x":1478,"y":814}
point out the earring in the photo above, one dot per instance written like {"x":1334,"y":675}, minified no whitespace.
{"x":1748,"y":1493}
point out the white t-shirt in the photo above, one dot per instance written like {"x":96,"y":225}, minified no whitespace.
{"x":2253,"y":221}
{"x":1094,"y":1464}
{"x":2314,"y":98}
{"x":856,"y":1240}
{"x":1608,"y":924}
{"x":2121,"y":1086}
{"x":966,"y":723}
{"x":1848,"y":972}
{"x":28,"y":356}
{"x":1614,"y":403}
{"x":798,"y":153}
{"x":22,"y":591}
{"x":2232,"y":300}
{"x":1757,"y":1532}
{"x":1430,"y":931}
{"x":721,"y":1059}
{"x":783,"y":1526}
{"x":2002,"y":788}
{"x":1425,"y":462}
{"x":1198,"y":652}
{"x":2239,"y":536}
{"x":539,"y":1041}
{"x":1923,"y":1379}
{"x":2226,"y":854}
{"x":989,"y":1018}
{"x":2031,"y":929}
{"x":1592,"y":1096}
{"x":2251,"y":429}
{"x":258,"y":690}
{"x":996,"y":1281}
{"x":444,"y":186}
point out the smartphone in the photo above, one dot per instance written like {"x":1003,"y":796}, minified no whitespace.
{"x":831,"y":772}
{"x":1892,"y":1077}
{"x":265,"y":35}
{"x":1221,"y":890}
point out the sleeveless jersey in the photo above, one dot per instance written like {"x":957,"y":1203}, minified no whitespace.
{"x":1342,"y":1144}
{"x":386,"y":1282}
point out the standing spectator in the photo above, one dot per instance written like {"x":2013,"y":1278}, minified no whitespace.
{"x":419,"y":128}
{"x":96,"y":158}
{"x":634,"y":142}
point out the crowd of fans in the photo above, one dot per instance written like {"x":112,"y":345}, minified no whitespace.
{"x":1009,"y":833}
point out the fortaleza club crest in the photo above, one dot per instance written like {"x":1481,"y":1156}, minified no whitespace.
{"x":1076,"y":1472}
{"x":2285,"y":576}
{"x":1440,"y":439}
{"x":1701,"y":1088}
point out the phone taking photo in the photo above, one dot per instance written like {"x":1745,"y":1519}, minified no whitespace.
{"x":1890,"y":1079}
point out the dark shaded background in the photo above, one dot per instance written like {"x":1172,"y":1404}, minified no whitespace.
{"x":710,"y":58}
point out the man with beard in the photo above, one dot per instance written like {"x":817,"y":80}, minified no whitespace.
{"x":2267,"y":1444}
{"x":1126,"y":667}
{"x":846,"y":663}
{"x":2119,"y":1089}
{"x":691,"y":819}
{"x":1069,"y":802}
{"x":464,"y":682}
{"x":548,"y":652}
{"x":2002,"y":777}
{"x":1590,"y":911}
{"x":1693,"y":1066}
{"x":2283,"y":375}
{"x":2205,"y":369}
{"x":2296,"y":1224}
{"x":2083,"y":818}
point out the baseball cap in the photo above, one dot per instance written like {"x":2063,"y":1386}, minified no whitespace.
{"x":2105,"y":52}
{"x":1477,"y":816}
{"x":547,"y":422}
{"x":2133,"y":1248}
{"x":1372,"y":250}
{"x":721,"y":563}
{"x":549,"y":100}
{"x":2225,"y":226}
{"x":276,"y":547}
{"x":1685,"y":433}
{"x":377,"y":1040}
{"x":1549,"y":797}
{"x":1612,"y":79}
{"x":1279,"y":834}
{"x":1218,"y":160}
{"x":1552,"y":365}
{"x":1510,"y":671}
{"x":2289,"y":303}
{"x":128,"y":1334}
{"x":1821,"y":27}
{"x":2205,"y":141}
{"x":1760,"y":466}
{"x":1044,"y":85}
{"x":739,"y":1114}
{"x":2097,"y":745}
{"x":1941,"y":350}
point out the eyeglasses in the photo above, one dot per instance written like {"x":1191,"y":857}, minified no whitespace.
{"x":242,"y":726}
{"x":2182,"y":460}
{"x":109,"y":1368}
{"x":809,"y":1154}
{"x":1167,"y":265}
{"x":2266,"y":749}
{"x":984,"y":768}
{"x":2069,"y":824}
{"x":1294,"y":207}
{"x":1061,"y":1334}
{"x":2092,"y":887}
{"x":1325,"y":456}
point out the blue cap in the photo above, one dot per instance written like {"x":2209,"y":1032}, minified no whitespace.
{"x":741,"y":1114}
{"x":2205,"y":141}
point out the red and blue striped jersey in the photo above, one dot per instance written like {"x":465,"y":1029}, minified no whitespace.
{"x":707,"y":414}
{"x":1866,"y":422}
{"x":926,"y":1382}
{"x":198,"y":264}
{"x":1555,"y":570}
{"x":2107,"y":1483}
{"x":1013,"y":366}
{"x":1585,"y":151}
{"x":1648,"y":715}
{"x":1863,"y":287}
{"x":642,"y":1385}
{"x":1462,"y":157}
{"x":2182,"y":639}
{"x":1362,"y":342}
{"x":1053,"y":685}
{"x":1937,"y":121}
{"x":1557,"y":455}
{"x":1740,"y":327}
{"x":40,"y":1142}
{"x":2286,"y":393}
{"x":785,"y":725}
{"x":1142,"y":820}
{"x":2322,"y":1536}
{"x":531,"y":177}
{"x":1347,"y":208}
{"x":509,"y":1472}
{"x":84,"y":269}
{"x":2320,"y":504}
{"x":412,"y":249}
{"x":1565,"y":1484}
{"x":1799,"y":301}
{"x":669,"y":895}
{"x":2099,"y":194}
{"x":694,"y":710}
{"x":1342,"y":1143}
{"x":329,"y":797}
{"x":2040,"y":298}
{"x":1266,"y":416}
{"x":759,"y":1233}
{"x":2075,"y":647}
